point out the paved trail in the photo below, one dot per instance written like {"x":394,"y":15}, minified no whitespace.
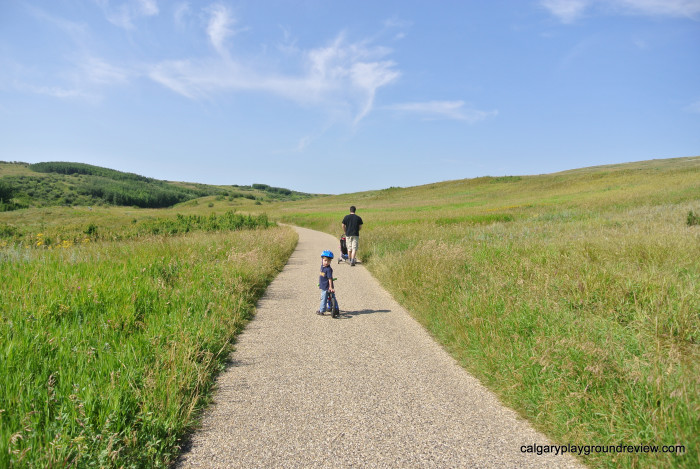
{"x":370,"y":389}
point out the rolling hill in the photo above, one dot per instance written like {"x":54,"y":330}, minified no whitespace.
{"x":49,"y":184}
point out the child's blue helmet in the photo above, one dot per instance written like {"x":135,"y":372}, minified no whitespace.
{"x":327,"y":254}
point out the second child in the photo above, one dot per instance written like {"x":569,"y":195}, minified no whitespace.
{"x":325,"y":283}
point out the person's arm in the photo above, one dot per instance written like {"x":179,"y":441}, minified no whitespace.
{"x":345,"y":229}
{"x":331,"y":288}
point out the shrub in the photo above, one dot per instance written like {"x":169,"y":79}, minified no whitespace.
{"x":91,"y":229}
{"x":6,"y":192}
{"x":693,"y":219}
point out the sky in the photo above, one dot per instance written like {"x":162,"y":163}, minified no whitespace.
{"x":337,"y":97}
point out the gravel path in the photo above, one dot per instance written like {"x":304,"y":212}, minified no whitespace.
{"x":370,"y":389}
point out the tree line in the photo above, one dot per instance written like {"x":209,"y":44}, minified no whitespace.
{"x":65,"y":183}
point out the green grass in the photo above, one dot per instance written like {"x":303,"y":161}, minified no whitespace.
{"x":108,"y":349}
{"x":70,"y":225}
{"x":574,"y":296}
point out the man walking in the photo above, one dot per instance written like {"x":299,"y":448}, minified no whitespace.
{"x":351,"y":226}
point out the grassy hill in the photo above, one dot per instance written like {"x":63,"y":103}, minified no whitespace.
{"x":75,"y":184}
{"x":575,"y":296}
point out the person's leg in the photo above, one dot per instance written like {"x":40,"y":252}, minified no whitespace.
{"x":352,"y":249}
{"x":324,"y":301}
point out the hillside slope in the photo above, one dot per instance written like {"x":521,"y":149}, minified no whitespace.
{"x":25,"y":185}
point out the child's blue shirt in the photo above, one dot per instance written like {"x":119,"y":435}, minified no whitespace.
{"x":323,"y":279}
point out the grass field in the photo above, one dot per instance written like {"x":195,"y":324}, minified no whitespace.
{"x":574,"y":296}
{"x":108,"y":347}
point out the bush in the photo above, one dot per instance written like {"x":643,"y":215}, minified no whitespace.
{"x":6,"y":192}
{"x":91,"y":230}
{"x":229,"y":221}
{"x":7,"y":231}
{"x":693,"y":219}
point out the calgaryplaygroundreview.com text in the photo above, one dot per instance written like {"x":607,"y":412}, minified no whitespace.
{"x":591,"y":449}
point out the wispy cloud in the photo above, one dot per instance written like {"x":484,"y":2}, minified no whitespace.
{"x":81,"y":75}
{"x":78,"y":32}
{"x":219,"y":27}
{"x":85,"y":80}
{"x":566,"y":10}
{"x":341,"y":78}
{"x":341,"y":74}
{"x":569,"y":11}
{"x":100,"y":72}
{"x":59,"y":92}
{"x":456,"y":110}
{"x":304,"y":142}
{"x":123,"y":14}
{"x":148,"y":7}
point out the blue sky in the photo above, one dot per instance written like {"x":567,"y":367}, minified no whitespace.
{"x":337,"y":97}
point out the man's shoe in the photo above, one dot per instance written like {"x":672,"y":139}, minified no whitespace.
{"x":320,"y":313}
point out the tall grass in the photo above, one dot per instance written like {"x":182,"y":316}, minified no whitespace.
{"x":575,"y":296}
{"x":107,"y":350}
{"x":81,"y":229}
{"x":591,"y":332}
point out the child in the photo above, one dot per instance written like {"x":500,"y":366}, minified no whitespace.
{"x":325,"y":283}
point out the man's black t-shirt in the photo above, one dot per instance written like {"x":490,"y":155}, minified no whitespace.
{"x":352,"y":225}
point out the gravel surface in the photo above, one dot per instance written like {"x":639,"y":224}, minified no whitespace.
{"x":369,"y":389}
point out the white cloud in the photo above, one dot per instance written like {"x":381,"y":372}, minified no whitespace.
{"x":77,"y":32}
{"x":84,"y":80}
{"x":148,"y":7}
{"x":369,"y":77}
{"x":303,"y":143}
{"x":396,"y":22}
{"x":566,"y":10}
{"x":456,"y":110}
{"x":124,"y":14}
{"x":81,"y":75}
{"x":219,"y":27}
{"x":55,"y":91}
{"x":98,"y":71}
{"x":340,"y":76}
{"x":569,"y":11}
